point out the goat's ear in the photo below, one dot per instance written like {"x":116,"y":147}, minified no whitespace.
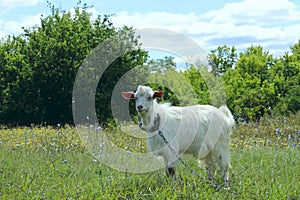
{"x":158,"y":94}
{"x":128,"y":95}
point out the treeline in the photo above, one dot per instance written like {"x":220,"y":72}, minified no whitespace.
{"x":256,"y":82}
{"x":38,"y":70}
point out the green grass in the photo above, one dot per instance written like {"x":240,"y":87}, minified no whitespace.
{"x":52,"y":163}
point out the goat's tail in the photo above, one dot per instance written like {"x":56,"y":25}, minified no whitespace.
{"x":229,"y":117}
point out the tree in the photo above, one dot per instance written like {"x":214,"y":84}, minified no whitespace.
{"x":56,"y":50}
{"x":249,"y":86}
{"x":222,"y":59}
{"x":132,"y":61}
{"x":161,"y":65}
{"x":39,"y":67}
{"x":14,"y":80}
{"x":286,"y":75}
{"x":195,"y":76}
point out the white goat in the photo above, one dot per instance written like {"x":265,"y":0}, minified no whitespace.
{"x":201,"y":130}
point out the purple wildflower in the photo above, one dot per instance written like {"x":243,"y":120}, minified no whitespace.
{"x":98,"y":128}
{"x":277,"y":130}
{"x":100,"y":154}
{"x":102,"y":144}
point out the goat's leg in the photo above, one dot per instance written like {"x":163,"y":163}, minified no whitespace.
{"x":170,"y":165}
{"x":211,"y":170}
{"x":209,"y":166}
{"x":225,"y":167}
{"x":170,"y":171}
{"x":225,"y":175}
{"x":171,"y":161}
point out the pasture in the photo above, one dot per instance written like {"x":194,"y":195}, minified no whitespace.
{"x":52,"y":163}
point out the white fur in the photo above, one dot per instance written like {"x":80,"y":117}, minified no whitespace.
{"x":201,"y":130}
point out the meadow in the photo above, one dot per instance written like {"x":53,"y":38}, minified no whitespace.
{"x":41,"y":162}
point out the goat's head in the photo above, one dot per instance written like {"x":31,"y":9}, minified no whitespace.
{"x":144,"y":98}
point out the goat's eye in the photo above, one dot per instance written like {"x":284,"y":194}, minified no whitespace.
{"x":149,"y":98}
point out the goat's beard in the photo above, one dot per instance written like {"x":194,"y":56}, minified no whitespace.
{"x":144,"y":117}
{"x":145,"y":120}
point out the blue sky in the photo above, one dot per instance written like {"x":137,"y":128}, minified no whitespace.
{"x":273,"y":24}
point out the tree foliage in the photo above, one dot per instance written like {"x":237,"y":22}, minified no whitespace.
{"x":255,"y":82}
{"x":259,"y":82}
{"x":38,"y":70}
{"x":222,"y":59}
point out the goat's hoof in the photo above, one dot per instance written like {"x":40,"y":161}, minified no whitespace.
{"x":227,"y":185}
{"x":171,"y":171}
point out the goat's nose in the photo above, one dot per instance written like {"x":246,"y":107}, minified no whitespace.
{"x":140,"y":107}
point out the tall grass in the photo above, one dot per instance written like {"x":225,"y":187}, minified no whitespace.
{"x":52,"y":163}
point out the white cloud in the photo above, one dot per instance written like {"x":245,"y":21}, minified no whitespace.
{"x":255,"y":12}
{"x":155,"y":20}
{"x":8,"y":4}
{"x":15,"y":27}
{"x":272,"y":24}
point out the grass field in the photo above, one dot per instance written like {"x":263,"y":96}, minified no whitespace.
{"x":52,"y":163}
